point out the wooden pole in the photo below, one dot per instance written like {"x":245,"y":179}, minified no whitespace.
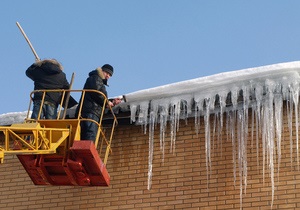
{"x":28,"y":41}
{"x":68,"y":96}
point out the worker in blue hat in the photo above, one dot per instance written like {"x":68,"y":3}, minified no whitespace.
{"x":93,"y":102}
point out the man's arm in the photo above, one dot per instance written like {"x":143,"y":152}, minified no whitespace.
{"x":96,"y":84}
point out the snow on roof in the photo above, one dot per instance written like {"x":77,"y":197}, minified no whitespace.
{"x":12,"y":117}
{"x":202,"y":91}
{"x":217,"y":82}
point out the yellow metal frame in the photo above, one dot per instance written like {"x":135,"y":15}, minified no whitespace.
{"x":44,"y":136}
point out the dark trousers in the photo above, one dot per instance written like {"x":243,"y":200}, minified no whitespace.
{"x":49,"y":111}
{"x":89,"y":129}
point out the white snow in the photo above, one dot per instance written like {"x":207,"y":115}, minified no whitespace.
{"x":12,"y":117}
{"x":215,"y":83}
{"x":234,"y":94}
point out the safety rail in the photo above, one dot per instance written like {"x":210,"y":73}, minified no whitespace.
{"x":49,"y":136}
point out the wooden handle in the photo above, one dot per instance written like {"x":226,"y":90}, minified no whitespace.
{"x":28,"y":41}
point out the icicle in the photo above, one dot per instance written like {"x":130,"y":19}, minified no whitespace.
{"x":234,"y":97}
{"x":222,"y":99}
{"x":133,"y":109}
{"x":151,"y":146}
{"x":197,"y":118}
{"x":240,"y":151}
{"x":270,"y":130}
{"x":163,"y":116}
{"x":278,"y":101}
{"x":174,"y":120}
{"x":252,"y":106}
{"x":252,"y":125}
{"x":198,"y":112}
{"x":209,"y":105}
{"x":234,"y":101}
{"x":143,"y":115}
{"x":246,"y":95}
{"x":295,"y":96}
{"x":232,"y":125}
{"x":214,"y":130}
{"x":290,"y":125}
{"x":258,"y":99}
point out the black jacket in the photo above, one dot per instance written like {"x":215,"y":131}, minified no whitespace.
{"x":48,"y":74}
{"x":93,"y":102}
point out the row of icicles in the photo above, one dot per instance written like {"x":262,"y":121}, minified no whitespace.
{"x":265,"y":101}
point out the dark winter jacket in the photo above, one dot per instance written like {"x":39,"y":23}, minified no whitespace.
{"x":48,"y":74}
{"x":93,"y":102}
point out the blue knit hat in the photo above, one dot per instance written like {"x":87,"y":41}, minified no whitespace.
{"x":108,"y":68}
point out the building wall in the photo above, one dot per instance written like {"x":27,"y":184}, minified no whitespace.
{"x":179,"y":180}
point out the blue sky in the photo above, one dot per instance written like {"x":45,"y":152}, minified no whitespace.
{"x":149,"y":43}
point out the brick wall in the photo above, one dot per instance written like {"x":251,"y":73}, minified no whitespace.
{"x":178,"y":182}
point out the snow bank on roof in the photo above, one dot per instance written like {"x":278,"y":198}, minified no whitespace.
{"x":12,"y":117}
{"x":217,"y":81}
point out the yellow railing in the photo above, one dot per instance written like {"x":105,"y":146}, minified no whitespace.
{"x":48,"y":136}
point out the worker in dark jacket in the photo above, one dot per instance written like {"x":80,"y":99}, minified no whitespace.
{"x":47,"y":74}
{"x":93,"y":102}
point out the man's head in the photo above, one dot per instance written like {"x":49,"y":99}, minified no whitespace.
{"x":108,"y":69}
{"x":49,"y":62}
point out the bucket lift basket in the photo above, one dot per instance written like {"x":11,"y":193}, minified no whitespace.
{"x":51,"y":150}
